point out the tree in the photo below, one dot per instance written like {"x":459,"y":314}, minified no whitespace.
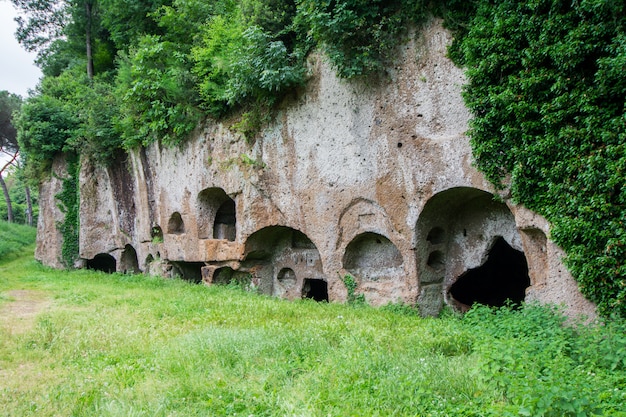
{"x":9,"y":104}
{"x":61,"y":31}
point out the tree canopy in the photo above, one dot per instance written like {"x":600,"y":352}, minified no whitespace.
{"x":9,"y":104}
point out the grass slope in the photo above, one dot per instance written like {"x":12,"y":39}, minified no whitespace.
{"x":14,"y":237}
{"x":81,"y":343}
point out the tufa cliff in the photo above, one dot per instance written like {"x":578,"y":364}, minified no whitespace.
{"x":371,"y":181}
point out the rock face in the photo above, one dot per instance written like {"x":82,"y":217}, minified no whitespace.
{"x":375,"y":181}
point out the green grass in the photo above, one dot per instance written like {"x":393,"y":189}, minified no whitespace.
{"x":14,"y":237}
{"x":121,"y":345}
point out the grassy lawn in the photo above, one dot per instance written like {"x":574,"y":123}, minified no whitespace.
{"x":81,"y":343}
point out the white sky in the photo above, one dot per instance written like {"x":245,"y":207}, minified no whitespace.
{"x":18,"y":73}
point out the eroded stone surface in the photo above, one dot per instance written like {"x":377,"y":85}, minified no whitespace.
{"x":372,"y":180}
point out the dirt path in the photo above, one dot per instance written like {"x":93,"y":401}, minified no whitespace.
{"x":17,"y":315}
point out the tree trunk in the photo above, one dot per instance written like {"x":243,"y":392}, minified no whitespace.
{"x":7,"y":199}
{"x":29,"y":205}
{"x":88,"y":17}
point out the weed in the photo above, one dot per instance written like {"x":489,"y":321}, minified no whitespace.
{"x":351,"y":285}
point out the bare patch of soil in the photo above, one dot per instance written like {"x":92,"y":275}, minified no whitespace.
{"x":18,"y":314}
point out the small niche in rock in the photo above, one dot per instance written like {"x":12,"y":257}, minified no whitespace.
{"x":316,"y":289}
{"x":503,"y":278}
{"x":436,"y":235}
{"x":372,"y":257}
{"x":156,"y":233}
{"x":228,"y":276}
{"x":129,"y":262}
{"x":189,"y":271}
{"x":176,"y":226}
{"x":287,"y":277}
{"x":102,"y":262}
{"x":225,"y":221}
{"x":436,"y":260}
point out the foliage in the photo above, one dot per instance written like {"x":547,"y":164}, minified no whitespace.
{"x":9,"y":105}
{"x":177,"y":59}
{"x":14,"y":238}
{"x":69,"y":205}
{"x":556,"y":381}
{"x":126,"y":21}
{"x":136,"y":345}
{"x":16,"y":185}
{"x":70,"y":114}
{"x":359,"y":36}
{"x":548,"y":95}
{"x":43,"y":24}
{"x":157,"y":104}
{"x":351,"y":285}
{"x":45,"y":126}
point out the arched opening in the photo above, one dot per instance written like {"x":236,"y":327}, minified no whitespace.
{"x":217,"y":218}
{"x":502,"y":279}
{"x":280,"y":258}
{"x":225,"y":221}
{"x":176,"y":226}
{"x":228,"y":276}
{"x":315,"y":289}
{"x":286,"y":278}
{"x":372,"y":257}
{"x":156,"y":234}
{"x":129,"y":262}
{"x":102,"y":262}
{"x":457,"y":228}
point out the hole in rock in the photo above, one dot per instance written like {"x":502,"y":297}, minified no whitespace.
{"x":225,"y":221}
{"x":504,"y":276}
{"x":228,"y":276}
{"x":103,"y":262}
{"x":316,"y":289}
{"x":436,"y":260}
{"x":156,"y":233}
{"x":189,"y":271}
{"x":129,"y":262}
{"x":216,"y":215}
{"x":287,"y":277}
{"x":176,"y":225}
{"x":436,"y":235}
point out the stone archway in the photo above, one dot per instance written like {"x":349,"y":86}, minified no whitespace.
{"x":372,"y":257}
{"x":285,"y":263}
{"x":129,"y":262}
{"x":217,"y":215}
{"x":468,"y":250}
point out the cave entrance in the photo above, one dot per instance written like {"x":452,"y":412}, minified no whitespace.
{"x":501,"y":279}
{"x":317,"y":289}
{"x":102,"y":262}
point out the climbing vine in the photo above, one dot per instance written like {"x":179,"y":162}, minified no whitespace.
{"x":69,"y":205}
{"x":548,"y":93}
